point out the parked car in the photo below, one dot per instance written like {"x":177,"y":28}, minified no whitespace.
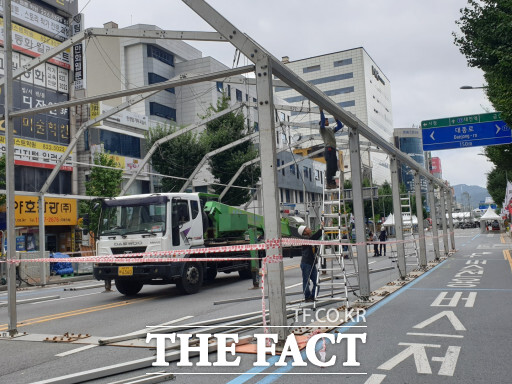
{"x":495,"y":225}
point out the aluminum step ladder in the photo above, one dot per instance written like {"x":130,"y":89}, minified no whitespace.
{"x":332,"y":283}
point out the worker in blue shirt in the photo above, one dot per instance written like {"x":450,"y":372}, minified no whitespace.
{"x":330,"y":149}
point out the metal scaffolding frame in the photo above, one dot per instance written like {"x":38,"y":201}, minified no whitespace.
{"x":265,"y":66}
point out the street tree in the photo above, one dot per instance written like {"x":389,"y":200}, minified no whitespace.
{"x":486,"y":41}
{"x":497,"y":184}
{"x":176,"y":158}
{"x":224,"y":165}
{"x":104,"y":182}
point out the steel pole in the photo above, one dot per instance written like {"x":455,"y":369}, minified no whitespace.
{"x":419,"y":215}
{"x":357,"y":195}
{"x":9,"y":172}
{"x":397,"y":211}
{"x":42,"y":237}
{"x":433,"y":216}
{"x":450,"y":218}
{"x":274,"y":265}
{"x":442,"y":212}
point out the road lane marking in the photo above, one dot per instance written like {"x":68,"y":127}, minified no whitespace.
{"x":434,"y":335}
{"x":506,"y":253}
{"x":76,"y":350}
{"x":56,"y":316}
{"x":70,"y":297}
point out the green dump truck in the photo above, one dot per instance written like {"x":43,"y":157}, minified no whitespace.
{"x":176,"y":221}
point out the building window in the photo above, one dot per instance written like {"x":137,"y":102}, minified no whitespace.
{"x":246,"y":97}
{"x":32,"y":179}
{"x":305,"y":173}
{"x":119,"y":144}
{"x":238,"y":95}
{"x":287,"y":193}
{"x":312,"y":68}
{"x":160,"y":54}
{"x":330,"y":79}
{"x":254,"y":100}
{"x":292,"y":169}
{"x":301,"y":197}
{"x":295,"y":99}
{"x":220,"y":86}
{"x":162,"y":111}
{"x":345,"y":104}
{"x":340,"y":91}
{"x":343,"y":62}
{"x":298,"y":173}
{"x":256,"y":127}
{"x":229,"y":92}
{"x":153,"y":78}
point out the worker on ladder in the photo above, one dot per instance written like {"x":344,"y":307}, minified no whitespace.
{"x":330,"y":157}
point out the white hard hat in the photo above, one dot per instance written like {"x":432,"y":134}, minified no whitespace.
{"x":301,"y":229}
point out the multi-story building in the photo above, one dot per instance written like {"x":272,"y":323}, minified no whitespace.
{"x":134,"y":62}
{"x":356,"y":83}
{"x":41,"y":139}
{"x":409,"y":141}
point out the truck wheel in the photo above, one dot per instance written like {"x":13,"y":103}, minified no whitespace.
{"x":245,"y":273}
{"x":128,"y":287}
{"x":191,"y":279}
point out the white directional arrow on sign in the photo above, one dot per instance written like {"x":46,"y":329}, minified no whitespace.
{"x":432,"y":136}
{"x":498,"y":128}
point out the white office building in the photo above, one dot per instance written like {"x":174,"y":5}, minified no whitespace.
{"x":355,"y":82}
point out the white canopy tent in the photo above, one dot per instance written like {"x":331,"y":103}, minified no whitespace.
{"x":490,"y":216}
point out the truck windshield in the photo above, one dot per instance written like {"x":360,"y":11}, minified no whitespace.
{"x":133,"y":219}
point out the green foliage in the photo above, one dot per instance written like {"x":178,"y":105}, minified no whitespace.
{"x":223,"y":131}
{"x":486,"y":41}
{"x":177,"y":157}
{"x":103,"y":182}
{"x":497,"y":184}
{"x":384,"y":205}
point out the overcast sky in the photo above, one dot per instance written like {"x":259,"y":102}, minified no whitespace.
{"x":410,"y":40}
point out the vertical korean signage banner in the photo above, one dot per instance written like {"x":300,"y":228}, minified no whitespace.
{"x":77,"y":26}
{"x":56,"y":211}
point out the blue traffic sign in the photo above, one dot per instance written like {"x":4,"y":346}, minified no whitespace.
{"x":464,"y":133}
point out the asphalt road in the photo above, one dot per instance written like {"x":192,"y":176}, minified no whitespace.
{"x":425,"y":354}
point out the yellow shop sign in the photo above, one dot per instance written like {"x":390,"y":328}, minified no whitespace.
{"x":56,"y":211}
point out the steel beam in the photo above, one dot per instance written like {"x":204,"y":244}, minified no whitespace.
{"x":450,"y":218}
{"x":213,"y":153}
{"x":433,"y":216}
{"x":357,"y":187}
{"x":442,"y":212}
{"x":419,"y":215}
{"x":397,"y":210}
{"x":185,"y":79}
{"x":156,"y":34}
{"x":172,"y":136}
